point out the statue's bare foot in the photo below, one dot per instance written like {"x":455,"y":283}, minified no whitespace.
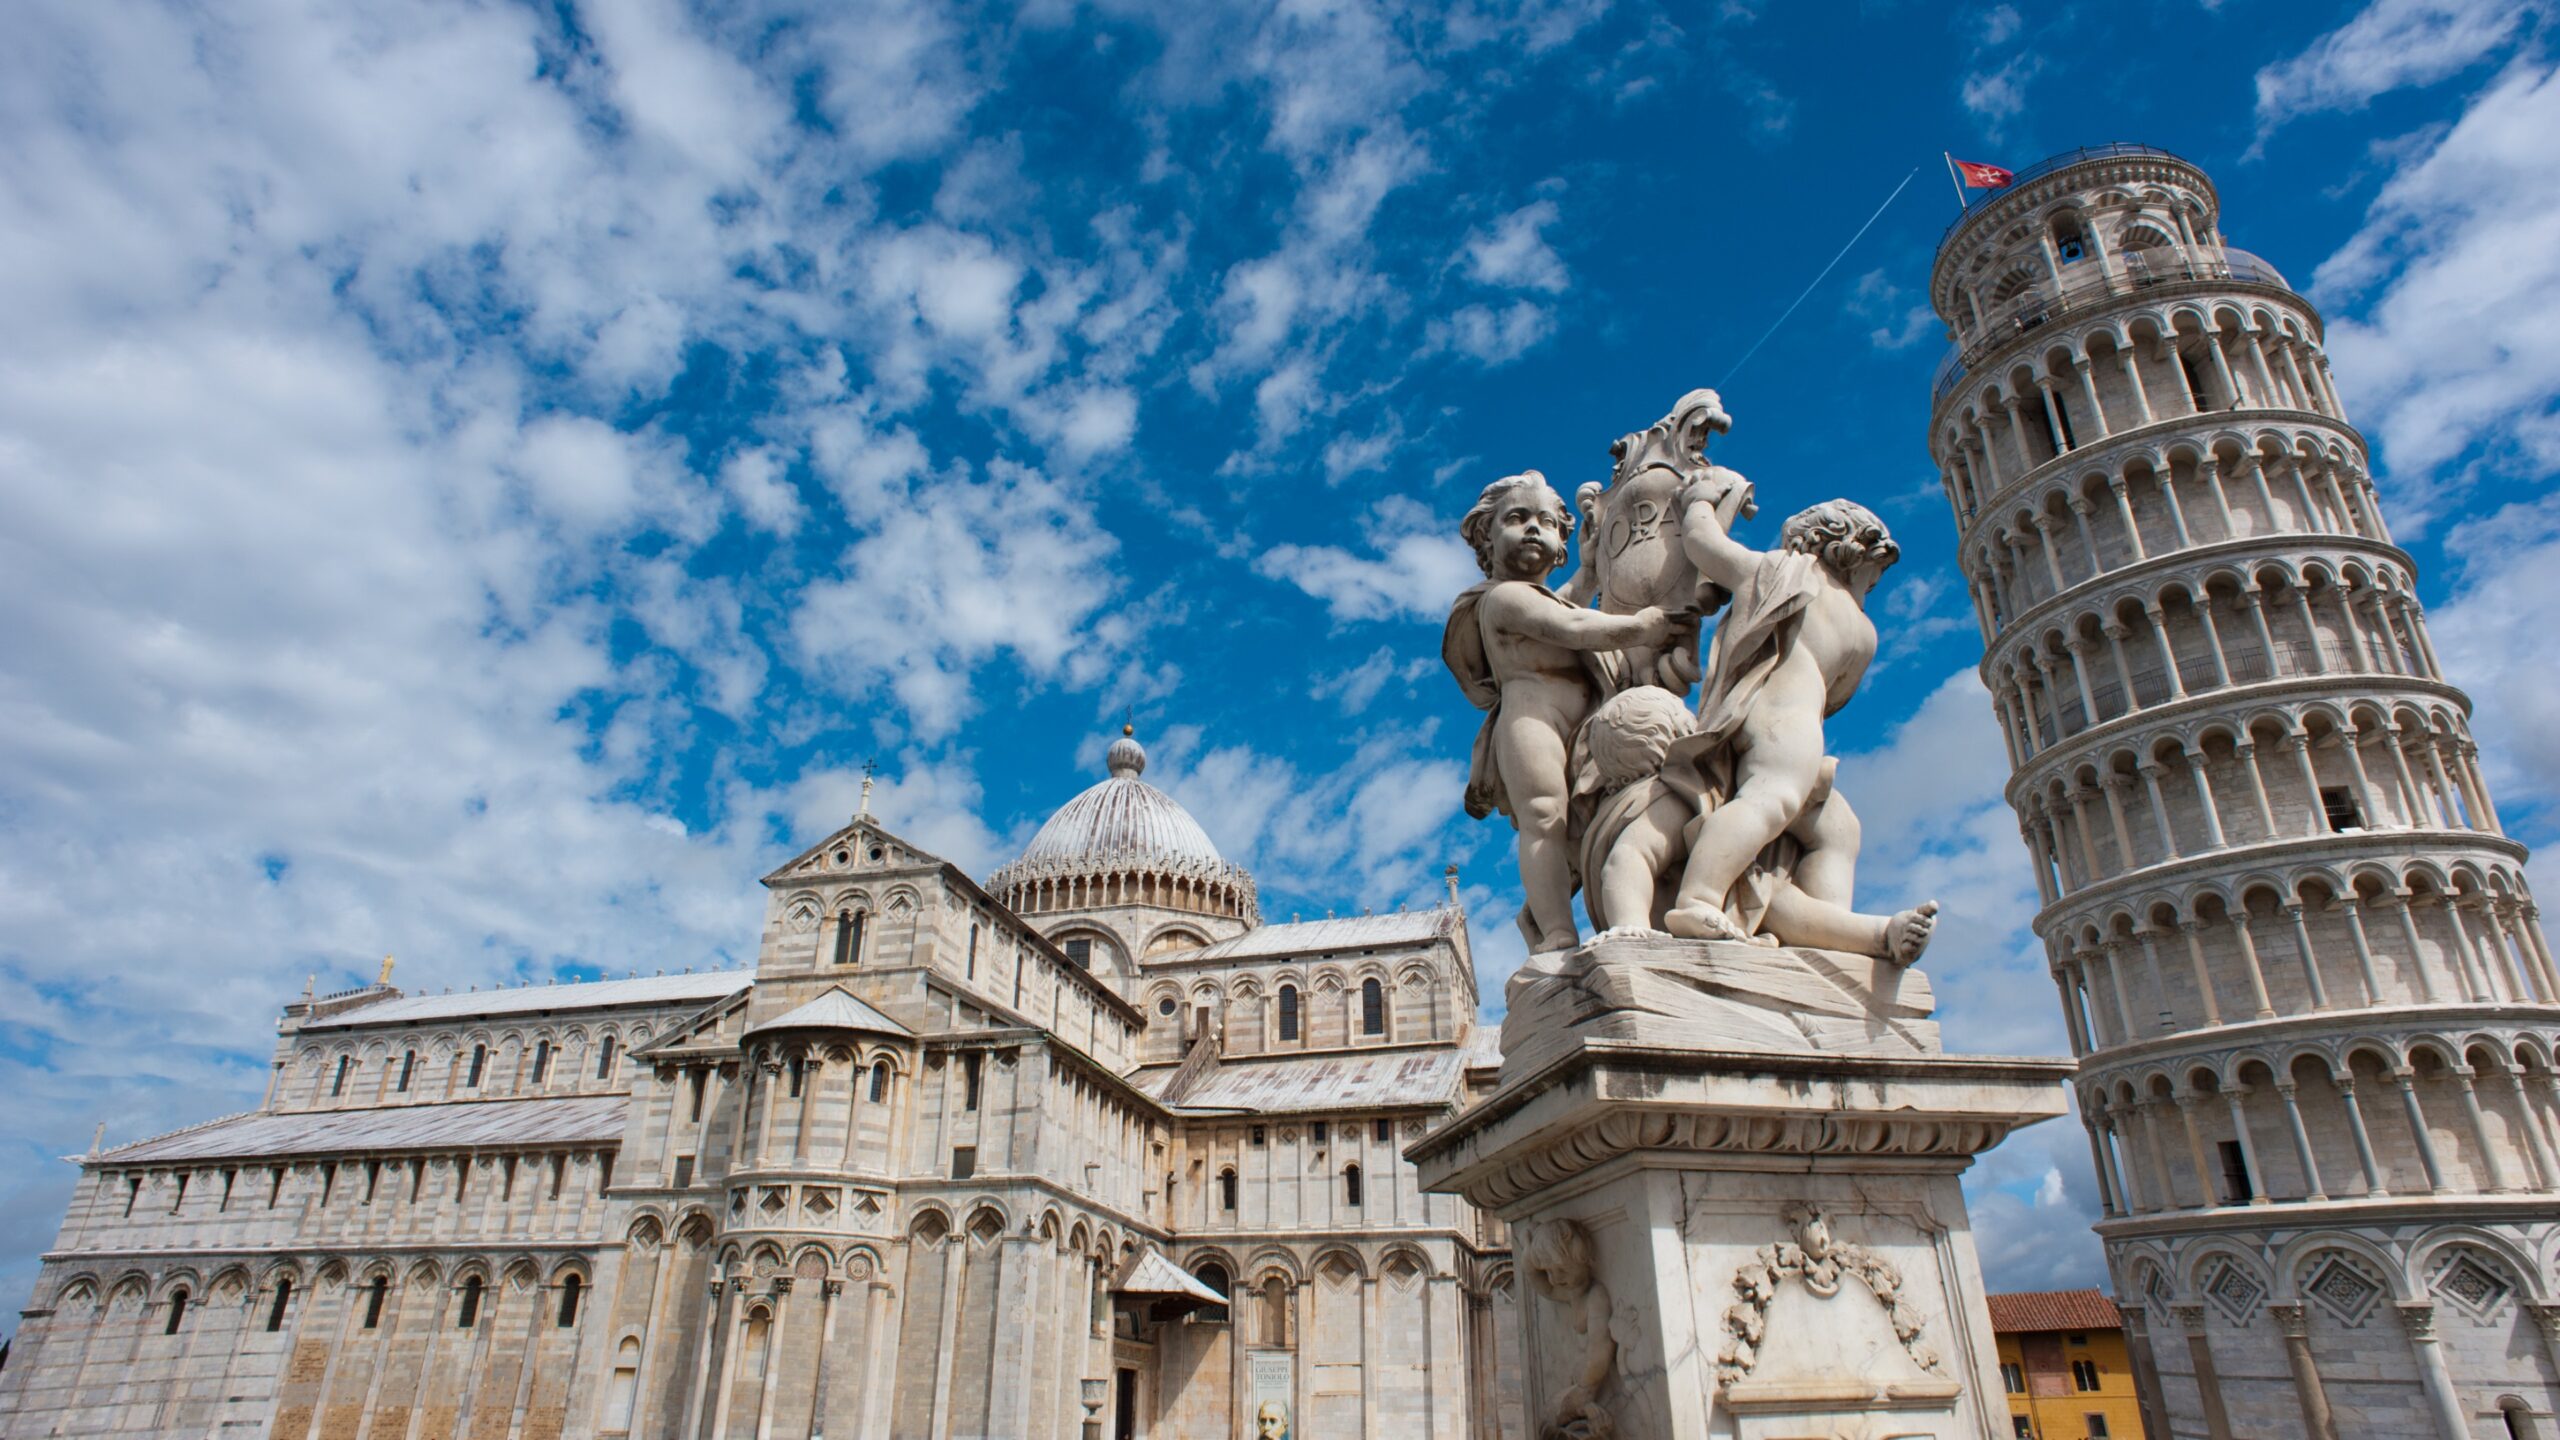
{"x":1701,"y":921}
{"x":1555,"y":940}
{"x":1907,"y":933}
{"x":1624,"y":932}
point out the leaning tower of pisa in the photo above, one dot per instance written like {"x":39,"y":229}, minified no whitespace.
{"x":2307,"y":985}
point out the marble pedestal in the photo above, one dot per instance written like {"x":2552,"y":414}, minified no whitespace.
{"x":1723,"y":1235}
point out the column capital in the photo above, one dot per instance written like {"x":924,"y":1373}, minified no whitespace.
{"x":2190,"y":1318}
{"x":2290,"y":1320}
{"x":781,"y":1284}
{"x":2547,"y":1317}
{"x":2420,"y":1318}
{"x":830,"y":1288}
{"x":2116,"y":630}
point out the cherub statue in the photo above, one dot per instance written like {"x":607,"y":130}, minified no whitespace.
{"x":1559,"y":1260}
{"x":1631,"y":552}
{"x":1643,"y":778}
{"x":1788,"y":654}
{"x":1536,"y":664}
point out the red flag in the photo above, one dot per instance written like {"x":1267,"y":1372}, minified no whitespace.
{"x":1978,"y":176}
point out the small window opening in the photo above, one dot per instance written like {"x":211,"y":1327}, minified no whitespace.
{"x":507,"y":1180}
{"x":461,"y":1178}
{"x":2236,"y":1187}
{"x":2013,"y":1377}
{"x":684,"y":1171}
{"x":338,"y":1086}
{"x":479,"y":1064}
{"x":132,"y":1193}
{"x":417,"y":1179}
{"x":964,"y":1161}
{"x":373,"y":1296}
{"x":541,"y":1061}
{"x":2084,"y":1375}
{"x":604,"y":1059}
{"x":880,"y":1080}
{"x":177,"y":1311}
{"x":275,"y":1185}
{"x":230,"y":1177}
{"x":2097,"y":1427}
{"x":1319,"y":1132}
{"x":469,"y":1315}
{"x":973,"y":952}
{"x":408,"y":1067}
{"x":2339,"y":803}
{"x":328,"y":1181}
{"x":1227,"y":1189}
{"x":1080,"y":953}
{"x":1289,"y":1012}
{"x":799,"y":1073}
{"x":1382,"y":1130}
{"x":284,"y":1297}
{"x":1259,"y":1136}
{"x":181,"y":1197}
{"x":1373,"y":1008}
{"x":1351,"y":1186}
{"x":971,"y":1075}
{"x":559,"y":1174}
{"x":701,"y":1079}
{"x":372,"y":1179}
{"x":570,"y":1289}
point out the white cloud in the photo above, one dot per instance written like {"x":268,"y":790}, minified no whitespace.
{"x":2509,"y":565}
{"x":2445,"y":304}
{"x":1416,"y":566}
{"x":1515,"y":255}
{"x":1901,"y":323}
{"x":2388,"y":45}
{"x":1999,"y":23}
{"x":1354,"y":689}
{"x":1374,"y":830}
{"x":1493,"y":336}
{"x":1996,"y":97}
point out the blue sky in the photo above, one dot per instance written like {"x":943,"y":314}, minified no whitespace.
{"x":477,"y":480}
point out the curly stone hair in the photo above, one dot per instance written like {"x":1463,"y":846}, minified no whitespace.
{"x":1628,"y":735}
{"x":1477,"y":527}
{"x":1839,"y":533}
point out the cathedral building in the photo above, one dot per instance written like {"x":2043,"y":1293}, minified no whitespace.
{"x":1089,"y":1145}
{"x":2297,"y":956}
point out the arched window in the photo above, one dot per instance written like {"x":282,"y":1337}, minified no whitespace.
{"x":570,"y":1289}
{"x":1289,"y":1012}
{"x":177,"y":1310}
{"x":541,"y":1061}
{"x":799,"y":1071}
{"x":1351,"y":1185}
{"x":623,"y":1400}
{"x":479,"y":1065}
{"x":1275,"y":1309}
{"x":469,"y":1314}
{"x":1227,"y":1188}
{"x":284,"y":1297}
{"x":338,"y":1086}
{"x":1373,"y":1007}
{"x":408,"y":1067}
{"x":604,"y":1059}
{"x":373,"y":1297}
{"x":1213,"y":1275}
{"x":880,"y":1080}
{"x":849,"y":927}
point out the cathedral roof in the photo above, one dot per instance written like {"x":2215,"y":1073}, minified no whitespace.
{"x":568,"y":1120}
{"x":834,"y":1010}
{"x":1363,"y":1079}
{"x":1122,"y":816}
{"x":1150,"y":1273}
{"x":1310,"y":937}
{"x":696,"y":987}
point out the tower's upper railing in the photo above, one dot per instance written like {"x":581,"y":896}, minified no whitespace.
{"x":2040,"y":304}
{"x":2018,"y":180}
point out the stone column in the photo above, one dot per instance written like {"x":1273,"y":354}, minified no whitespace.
{"x":775,"y":1335}
{"x":2317,"y":1422}
{"x":2435,"y":1377}
{"x":2374,"y":1185}
{"x":2301,"y":1141}
{"x":2217,"y":1420}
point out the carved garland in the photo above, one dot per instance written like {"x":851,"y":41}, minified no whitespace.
{"x":1814,"y":1258}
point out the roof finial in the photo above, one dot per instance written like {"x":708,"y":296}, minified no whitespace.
{"x":1126,"y":758}
{"x":386,"y":971}
{"x":98,"y":1141}
{"x":869,"y":768}
{"x":1451,"y":875}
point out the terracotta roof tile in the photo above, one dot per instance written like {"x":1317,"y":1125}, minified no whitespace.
{"x":2035,"y":1310}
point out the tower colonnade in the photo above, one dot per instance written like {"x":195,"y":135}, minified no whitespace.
{"x":2297,"y":955}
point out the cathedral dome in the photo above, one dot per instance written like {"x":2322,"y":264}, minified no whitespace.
{"x":1123,"y":816}
{"x":1124,"y":842}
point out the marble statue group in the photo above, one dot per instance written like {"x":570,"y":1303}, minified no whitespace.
{"x":1712,"y":821}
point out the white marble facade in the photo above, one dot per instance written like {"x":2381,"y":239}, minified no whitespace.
{"x":2298,"y":957}
{"x":925,"y":1170}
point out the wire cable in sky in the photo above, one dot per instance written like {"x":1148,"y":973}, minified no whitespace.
{"x":1817,"y":280}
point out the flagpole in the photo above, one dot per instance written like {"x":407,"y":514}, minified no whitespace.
{"x":1961,"y":202}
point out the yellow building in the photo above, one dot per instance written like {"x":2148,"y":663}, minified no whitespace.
{"x":2063,"y":1362}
